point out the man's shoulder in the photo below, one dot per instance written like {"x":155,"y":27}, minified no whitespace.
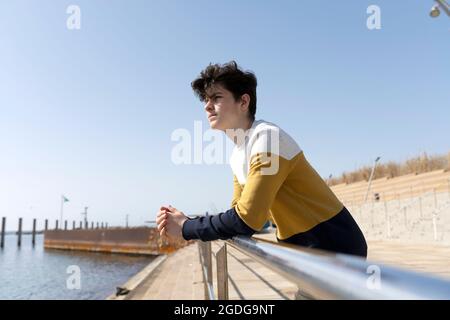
{"x":269,"y":137}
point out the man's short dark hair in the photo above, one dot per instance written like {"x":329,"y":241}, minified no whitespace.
{"x":232,"y":78}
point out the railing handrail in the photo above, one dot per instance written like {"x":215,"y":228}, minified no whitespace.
{"x":324,"y":275}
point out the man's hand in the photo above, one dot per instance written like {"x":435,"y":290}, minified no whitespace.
{"x":170,"y":223}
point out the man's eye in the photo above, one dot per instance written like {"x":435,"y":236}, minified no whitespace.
{"x":217,"y":97}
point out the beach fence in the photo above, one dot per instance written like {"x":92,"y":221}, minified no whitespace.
{"x":19,"y":232}
{"x":412,"y":207}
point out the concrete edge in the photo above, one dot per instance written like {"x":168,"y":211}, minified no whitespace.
{"x":137,"y":279}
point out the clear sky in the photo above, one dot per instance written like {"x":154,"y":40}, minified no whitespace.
{"x":89,"y":113}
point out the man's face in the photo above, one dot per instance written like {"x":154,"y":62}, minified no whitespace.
{"x":222,"y":110}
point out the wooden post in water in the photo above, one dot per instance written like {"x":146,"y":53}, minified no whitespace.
{"x":46,"y":224}
{"x":2,"y":236}
{"x":19,"y":233}
{"x":56,"y":225}
{"x":33,"y":237}
{"x":65,"y":224}
{"x":73,"y":225}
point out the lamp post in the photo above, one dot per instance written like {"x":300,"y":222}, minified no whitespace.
{"x":329,"y":179}
{"x":436,"y":9}
{"x":371,"y":177}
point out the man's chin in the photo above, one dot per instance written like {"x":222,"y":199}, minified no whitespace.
{"x":214,"y":124}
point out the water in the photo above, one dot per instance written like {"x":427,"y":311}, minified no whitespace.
{"x":38,"y":273}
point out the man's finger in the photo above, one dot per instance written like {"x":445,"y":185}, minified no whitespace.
{"x":163,"y":232}
{"x":162,"y":225}
{"x":161,"y":212}
{"x":161,"y":217}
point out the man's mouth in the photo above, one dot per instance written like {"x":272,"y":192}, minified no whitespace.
{"x":211,"y":116}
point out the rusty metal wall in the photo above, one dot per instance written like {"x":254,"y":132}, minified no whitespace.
{"x":143,"y":240}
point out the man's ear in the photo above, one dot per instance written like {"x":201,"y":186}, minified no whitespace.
{"x":245,"y":102}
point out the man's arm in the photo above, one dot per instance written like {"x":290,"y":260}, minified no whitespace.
{"x":223,"y":226}
{"x":251,"y":210}
{"x":237,"y":191}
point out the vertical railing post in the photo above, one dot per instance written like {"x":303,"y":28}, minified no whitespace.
{"x":81,"y":224}
{"x":56,"y":225}
{"x":33,"y":238}
{"x":222,"y":273}
{"x":201,"y":249}
{"x":208,"y":260}
{"x":19,"y":233}
{"x":2,"y":236}
{"x":46,"y":225}
{"x":65,"y":224}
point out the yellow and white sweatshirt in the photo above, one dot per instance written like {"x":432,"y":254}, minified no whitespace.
{"x":274,"y":181}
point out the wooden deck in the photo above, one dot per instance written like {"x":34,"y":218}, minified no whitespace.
{"x":180,"y":276}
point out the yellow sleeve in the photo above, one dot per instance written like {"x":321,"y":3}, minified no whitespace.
{"x":237,"y":190}
{"x":266,"y":174}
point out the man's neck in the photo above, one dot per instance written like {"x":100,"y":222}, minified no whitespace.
{"x":243,"y":127}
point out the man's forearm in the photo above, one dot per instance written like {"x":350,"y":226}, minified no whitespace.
{"x":223,"y":226}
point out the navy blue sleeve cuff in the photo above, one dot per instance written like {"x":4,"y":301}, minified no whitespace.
{"x":188,"y":229}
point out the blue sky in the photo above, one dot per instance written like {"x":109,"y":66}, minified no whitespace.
{"x":89,"y":113}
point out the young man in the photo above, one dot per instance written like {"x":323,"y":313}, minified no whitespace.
{"x":272,"y":178}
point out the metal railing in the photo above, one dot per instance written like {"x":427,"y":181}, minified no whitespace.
{"x":322,"y":275}
{"x":205,"y":254}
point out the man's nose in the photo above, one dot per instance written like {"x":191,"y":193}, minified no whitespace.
{"x":209,"y":106}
